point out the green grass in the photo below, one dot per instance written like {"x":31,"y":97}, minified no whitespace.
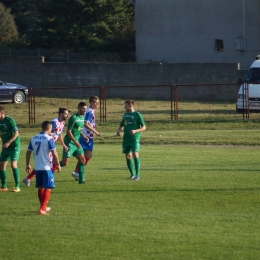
{"x":193,"y":201}
{"x":153,"y":111}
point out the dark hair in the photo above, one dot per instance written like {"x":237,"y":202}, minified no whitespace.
{"x":2,"y":108}
{"x":45,"y":125}
{"x":62,"y":110}
{"x":93,"y":98}
{"x":82,"y":104}
{"x":130,"y":102}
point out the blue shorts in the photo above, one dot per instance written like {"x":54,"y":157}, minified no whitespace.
{"x":87,"y":146}
{"x":45,"y":179}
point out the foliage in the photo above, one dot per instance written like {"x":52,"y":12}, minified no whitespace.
{"x":8,"y":30}
{"x":103,"y":25}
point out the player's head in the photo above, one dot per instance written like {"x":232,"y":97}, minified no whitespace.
{"x":46,"y":127}
{"x":82,"y":108}
{"x":63,"y":113}
{"x":94,"y":101}
{"x":2,"y":113}
{"x":129,"y":105}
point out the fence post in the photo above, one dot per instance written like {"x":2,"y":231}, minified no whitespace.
{"x":31,"y":106}
{"x":103,"y":104}
{"x":245,"y":101}
{"x":175,"y":101}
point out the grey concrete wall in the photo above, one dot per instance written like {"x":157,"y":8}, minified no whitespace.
{"x":185,"y":31}
{"x":33,"y":73}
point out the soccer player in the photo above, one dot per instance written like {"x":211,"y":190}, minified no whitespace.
{"x":71,"y":140}
{"x":10,"y":150}
{"x":89,"y":130}
{"x":56,"y":132}
{"x":133,"y":124}
{"x":41,"y":145}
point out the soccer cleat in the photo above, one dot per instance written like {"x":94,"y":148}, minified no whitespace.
{"x":82,"y":182}
{"x":137,"y":178}
{"x":131,"y":177}
{"x":48,"y":209}
{"x":16,"y":189}
{"x":26,"y":182}
{"x":4,"y":189}
{"x":43,"y":212}
{"x":75,"y":175}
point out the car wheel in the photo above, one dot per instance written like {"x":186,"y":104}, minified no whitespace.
{"x":18,"y":97}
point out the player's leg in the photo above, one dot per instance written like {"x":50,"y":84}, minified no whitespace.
{"x":16,"y":174}
{"x":14,"y":156}
{"x":66,"y":155}
{"x":38,"y":184}
{"x":88,"y":148}
{"x":137,"y":165}
{"x":126,"y":149}
{"x":79,"y":154}
{"x":3,"y":174}
{"x":135,"y":150}
{"x":48,"y":184}
{"x":30,"y":176}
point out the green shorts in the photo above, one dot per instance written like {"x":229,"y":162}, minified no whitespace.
{"x":73,"y":150}
{"x":10,"y":154}
{"x":133,"y":146}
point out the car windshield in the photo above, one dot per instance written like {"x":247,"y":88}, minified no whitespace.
{"x":253,"y":75}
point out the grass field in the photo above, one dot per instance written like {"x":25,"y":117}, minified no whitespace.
{"x":153,"y":111}
{"x":198,"y":198}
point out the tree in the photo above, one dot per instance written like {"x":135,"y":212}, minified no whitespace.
{"x":26,"y":18}
{"x":85,"y":24}
{"x":8,"y":30}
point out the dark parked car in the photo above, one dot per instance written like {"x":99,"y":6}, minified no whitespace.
{"x":10,"y":92}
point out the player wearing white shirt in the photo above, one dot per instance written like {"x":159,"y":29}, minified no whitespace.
{"x":56,"y":132}
{"x":89,"y":130}
{"x":41,"y":145}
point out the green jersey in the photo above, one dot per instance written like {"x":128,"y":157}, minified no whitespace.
{"x":7,"y":129}
{"x":132,"y":121}
{"x":75,"y":124}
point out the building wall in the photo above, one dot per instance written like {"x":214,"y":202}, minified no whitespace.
{"x":33,"y":73}
{"x":185,"y":31}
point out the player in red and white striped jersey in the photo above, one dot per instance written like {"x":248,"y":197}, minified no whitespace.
{"x":89,"y":130}
{"x":56,"y":132}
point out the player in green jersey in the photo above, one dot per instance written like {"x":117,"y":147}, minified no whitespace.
{"x":133,"y":124}
{"x":10,"y":150}
{"x":71,"y":140}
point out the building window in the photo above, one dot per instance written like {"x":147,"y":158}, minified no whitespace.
{"x":219,"y":45}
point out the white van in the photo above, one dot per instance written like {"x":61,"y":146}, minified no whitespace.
{"x":252,"y":82}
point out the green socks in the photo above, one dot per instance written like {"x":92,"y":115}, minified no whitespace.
{"x":3,"y":178}
{"x":16,"y":175}
{"x":81,"y":167}
{"x":137,"y":166}
{"x":130,"y":166}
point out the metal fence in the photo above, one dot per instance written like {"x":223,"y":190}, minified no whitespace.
{"x":52,"y":55}
{"x":196,"y":102}
{"x":157,"y":103}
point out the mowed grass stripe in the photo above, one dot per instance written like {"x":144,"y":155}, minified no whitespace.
{"x":192,"y":202}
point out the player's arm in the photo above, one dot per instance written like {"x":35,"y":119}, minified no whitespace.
{"x":70,"y":135}
{"x":141,"y":129}
{"x":84,"y":137}
{"x":28,"y":166}
{"x":16,"y":134}
{"x":56,"y":159}
{"x":88,"y":126}
{"x":119,"y":130}
{"x":60,"y":138}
